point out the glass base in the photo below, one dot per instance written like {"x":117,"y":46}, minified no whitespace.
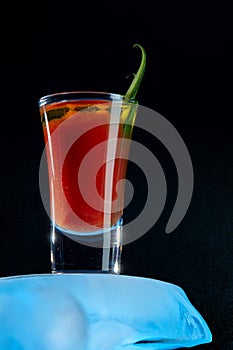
{"x":86,"y":253}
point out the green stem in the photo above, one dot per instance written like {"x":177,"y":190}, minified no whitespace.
{"x":133,"y":89}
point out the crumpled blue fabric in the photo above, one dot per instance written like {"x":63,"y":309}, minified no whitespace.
{"x":95,"y":311}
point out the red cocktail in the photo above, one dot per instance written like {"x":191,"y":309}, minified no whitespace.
{"x":87,"y":143}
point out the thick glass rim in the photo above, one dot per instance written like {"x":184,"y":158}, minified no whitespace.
{"x":82,"y":95}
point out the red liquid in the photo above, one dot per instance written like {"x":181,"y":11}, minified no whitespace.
{"x":72,"y":131}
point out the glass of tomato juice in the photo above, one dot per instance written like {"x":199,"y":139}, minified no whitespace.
{"x":87,"y":140}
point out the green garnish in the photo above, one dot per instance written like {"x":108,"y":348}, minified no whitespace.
{"x":133,"y":89}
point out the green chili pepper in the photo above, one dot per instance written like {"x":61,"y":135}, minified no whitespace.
{"x":133,"y":89}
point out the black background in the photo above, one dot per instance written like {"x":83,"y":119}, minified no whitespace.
{"x":47,"y":48}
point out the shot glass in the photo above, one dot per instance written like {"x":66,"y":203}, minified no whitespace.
{"x":87,"y":140}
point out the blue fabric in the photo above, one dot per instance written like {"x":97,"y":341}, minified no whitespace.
{"x":96,"y":312}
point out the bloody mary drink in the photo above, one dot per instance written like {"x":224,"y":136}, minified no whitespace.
{"x":87,"y":143}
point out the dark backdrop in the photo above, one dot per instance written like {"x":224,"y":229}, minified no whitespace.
{"x":47,"y":48}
